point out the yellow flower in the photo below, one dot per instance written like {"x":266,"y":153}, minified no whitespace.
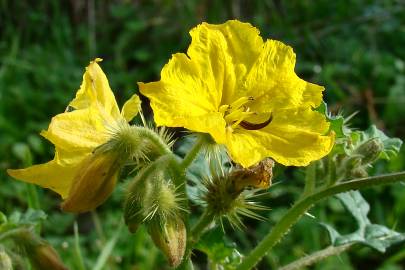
{"x":79,"y":172}
{"x":244,"y":92}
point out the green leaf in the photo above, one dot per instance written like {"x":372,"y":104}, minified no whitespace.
{"x":3,"y":218}
{"x":219,"y":249}
{"x":357,"y":206}
{"x":376,"y":236}
{"x":31,"y":217}
{"x":336,"y":122}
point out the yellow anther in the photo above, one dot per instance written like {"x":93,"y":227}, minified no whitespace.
{"x":223,"y":108}
{"x":234,"y":116}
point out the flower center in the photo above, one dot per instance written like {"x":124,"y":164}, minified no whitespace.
{"x":236,"y":113}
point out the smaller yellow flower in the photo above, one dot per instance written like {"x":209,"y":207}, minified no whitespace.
{"x":244,"y":92}
{"x":82,"y":172}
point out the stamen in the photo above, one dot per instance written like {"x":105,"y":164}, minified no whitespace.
{"x":252,"y":126}
{"x":233,"y":116}
{"x":223,"y":108}
{"x":241,"y":101}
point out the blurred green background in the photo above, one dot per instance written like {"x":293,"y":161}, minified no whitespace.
{"x":354,"y":48}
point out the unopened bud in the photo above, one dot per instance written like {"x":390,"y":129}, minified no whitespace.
{"x":45,"y":257}
{"x":41,"y":254}
{"x":171,"y":238}
{"x":152,"y":196}
{"x":94,"y":182}
{"x":369,"y":150}
{"x":359,"y":172}
{"x":227,"y":195}
{"x":5,"y":261}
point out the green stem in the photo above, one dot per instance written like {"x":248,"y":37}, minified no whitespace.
{"x":331,"y":177}
{"x":78,"y":253}
{"x":33,"y":200}
{"x":13,"y":233}
{"x":157,"y":141}
{"x":188,"y":159}
{"x":203,"y":222}
{"x":316,"y":257}
{"x":310,"y":177}
{"x":303,"y":205}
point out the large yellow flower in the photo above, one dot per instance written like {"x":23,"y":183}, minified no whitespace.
{"x":90,"y":121}
{"x":244,"y":92}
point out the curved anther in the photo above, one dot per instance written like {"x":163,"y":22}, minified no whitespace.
{"x":252,"y":126}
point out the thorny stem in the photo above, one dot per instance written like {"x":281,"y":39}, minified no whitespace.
{"x":316,"y":257}
{"x":303,"y":205}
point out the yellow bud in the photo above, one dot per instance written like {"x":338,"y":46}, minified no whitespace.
{"x":170,"y":238}
{"x":94,"y":182}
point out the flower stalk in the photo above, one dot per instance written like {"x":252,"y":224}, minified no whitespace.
{"x":303,"y":205}
{"x":316,"y":257}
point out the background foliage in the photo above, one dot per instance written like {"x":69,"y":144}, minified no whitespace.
{"x":352,"y":47}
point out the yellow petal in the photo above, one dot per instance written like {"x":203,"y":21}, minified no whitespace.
{"x":131,"y":108}
{"x":48,"y":175}
{"x":56,"y":174}
{"x":184,"y":99}
{"x":95,"y":91}
{"x":228,"y":50}
{"x":294,"y":137}
{"x":83,"y":129}
{"x":208,"y":50}
{"x":272,"y":80}
{"x":312,"y":95}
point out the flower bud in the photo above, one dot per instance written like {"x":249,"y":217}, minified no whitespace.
{"x":227,"y":195}
{"x":41,"y":254}
{"x":5,"y":261}
{"x":152,"y":195}
{"x":45,"y":257}
{"x":369,"y":150}
{"x":170,"y":237}
{"x":94,"y":182}
{"x":358,"y":172}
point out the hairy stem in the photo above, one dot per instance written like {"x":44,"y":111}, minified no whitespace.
{"x":160,"y":145}
{"x":303,"y":205}
{"x":310,"y":177}
{"x":316,"y":257}
{"x":203,"y":222}
{"x":190,"y":156}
